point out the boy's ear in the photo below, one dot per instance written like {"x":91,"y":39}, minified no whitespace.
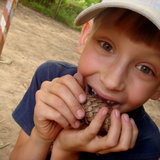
{"x":156,"y":95}
{"x":85,"y":32}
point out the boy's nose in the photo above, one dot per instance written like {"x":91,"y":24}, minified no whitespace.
{"x":114,"y":78}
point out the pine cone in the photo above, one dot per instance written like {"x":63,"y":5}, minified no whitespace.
{"x":91,"y":107}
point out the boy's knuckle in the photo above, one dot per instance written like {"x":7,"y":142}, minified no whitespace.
{"x":61,"y":89}
{"x":55,"y":80}
{"x":45,"y":84}
{"x":66,"y":78}
{"x":38,"y":94}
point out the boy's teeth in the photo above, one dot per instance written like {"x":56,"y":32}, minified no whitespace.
{"x":110,"y":103}
{"x":94,"y":92}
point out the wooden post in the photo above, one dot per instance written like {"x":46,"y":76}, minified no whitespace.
{"x":5,"y":21}
{"x":57,"y":7}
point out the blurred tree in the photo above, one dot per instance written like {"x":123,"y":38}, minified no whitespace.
{"x":85,"y":3}
{"x":91,"y":2}
{"x":57,"y":7}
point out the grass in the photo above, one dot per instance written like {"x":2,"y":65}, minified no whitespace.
{"x":66,"y":13}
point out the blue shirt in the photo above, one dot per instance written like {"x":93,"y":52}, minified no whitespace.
{"x":147,"y":145}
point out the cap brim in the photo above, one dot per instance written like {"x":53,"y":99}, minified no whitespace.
{"x":147,"y":11}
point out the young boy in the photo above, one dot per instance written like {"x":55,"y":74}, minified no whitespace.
{"x":120,"y":57}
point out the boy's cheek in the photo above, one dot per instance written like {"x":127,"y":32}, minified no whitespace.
{"x":135,"y":98}
{"x":83,"y":68}
{"x":137,"y":101}
{"x":88,"y":67}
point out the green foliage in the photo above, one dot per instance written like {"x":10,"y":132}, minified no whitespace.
{"x":67,"y":12}
{"x":85,"y":3}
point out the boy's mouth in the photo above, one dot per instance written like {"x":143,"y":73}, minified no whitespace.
{"x":109,"y":103}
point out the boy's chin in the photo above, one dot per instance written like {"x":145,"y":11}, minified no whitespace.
{"x":126,"y":109}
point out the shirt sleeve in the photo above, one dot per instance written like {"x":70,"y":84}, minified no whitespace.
{"x":24,"y":112}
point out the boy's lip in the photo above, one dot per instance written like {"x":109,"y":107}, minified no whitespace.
{"x":105,"y":97}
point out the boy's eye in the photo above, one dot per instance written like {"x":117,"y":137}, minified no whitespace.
{"x":145,"y":69}
{"x":106,"y":46}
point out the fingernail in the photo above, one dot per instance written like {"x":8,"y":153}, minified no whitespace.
{"x":77,"y":124}
{"x":126,"y":118}
{"x":80,"y":113}
{"x":117,"y":113}
{"x":82,"y":98}
{"x":104,"y":112}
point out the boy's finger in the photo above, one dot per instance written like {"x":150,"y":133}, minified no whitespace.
{"x":124,"y":140}
{"x":135,"y":133}
{"x":71,"y":92}
{"x":74,"y":86}
{"x":69,"y":99}
{"x":96,"y":124}
{"x":126,"y":134}
{"x":43,"y":113}
{"x":60,"y":106}
{"x":105,"y":143}
{"x":112,"y":137}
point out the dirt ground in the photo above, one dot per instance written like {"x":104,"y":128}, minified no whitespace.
{"x":32,"y":40}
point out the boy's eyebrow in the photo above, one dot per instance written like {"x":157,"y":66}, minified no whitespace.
{"x":145,"y":30}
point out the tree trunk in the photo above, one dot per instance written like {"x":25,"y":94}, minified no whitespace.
{"x":57,"y":7}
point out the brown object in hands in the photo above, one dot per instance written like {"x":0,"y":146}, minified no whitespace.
{"x":91,"y":107}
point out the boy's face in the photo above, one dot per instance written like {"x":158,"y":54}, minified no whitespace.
{"x":125,"y":72}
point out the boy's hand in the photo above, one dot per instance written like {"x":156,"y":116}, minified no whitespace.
{"x":122,"y":136}
{"x":58,"y":106}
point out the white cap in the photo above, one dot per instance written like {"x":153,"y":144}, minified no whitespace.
{"x":148,"y":8}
